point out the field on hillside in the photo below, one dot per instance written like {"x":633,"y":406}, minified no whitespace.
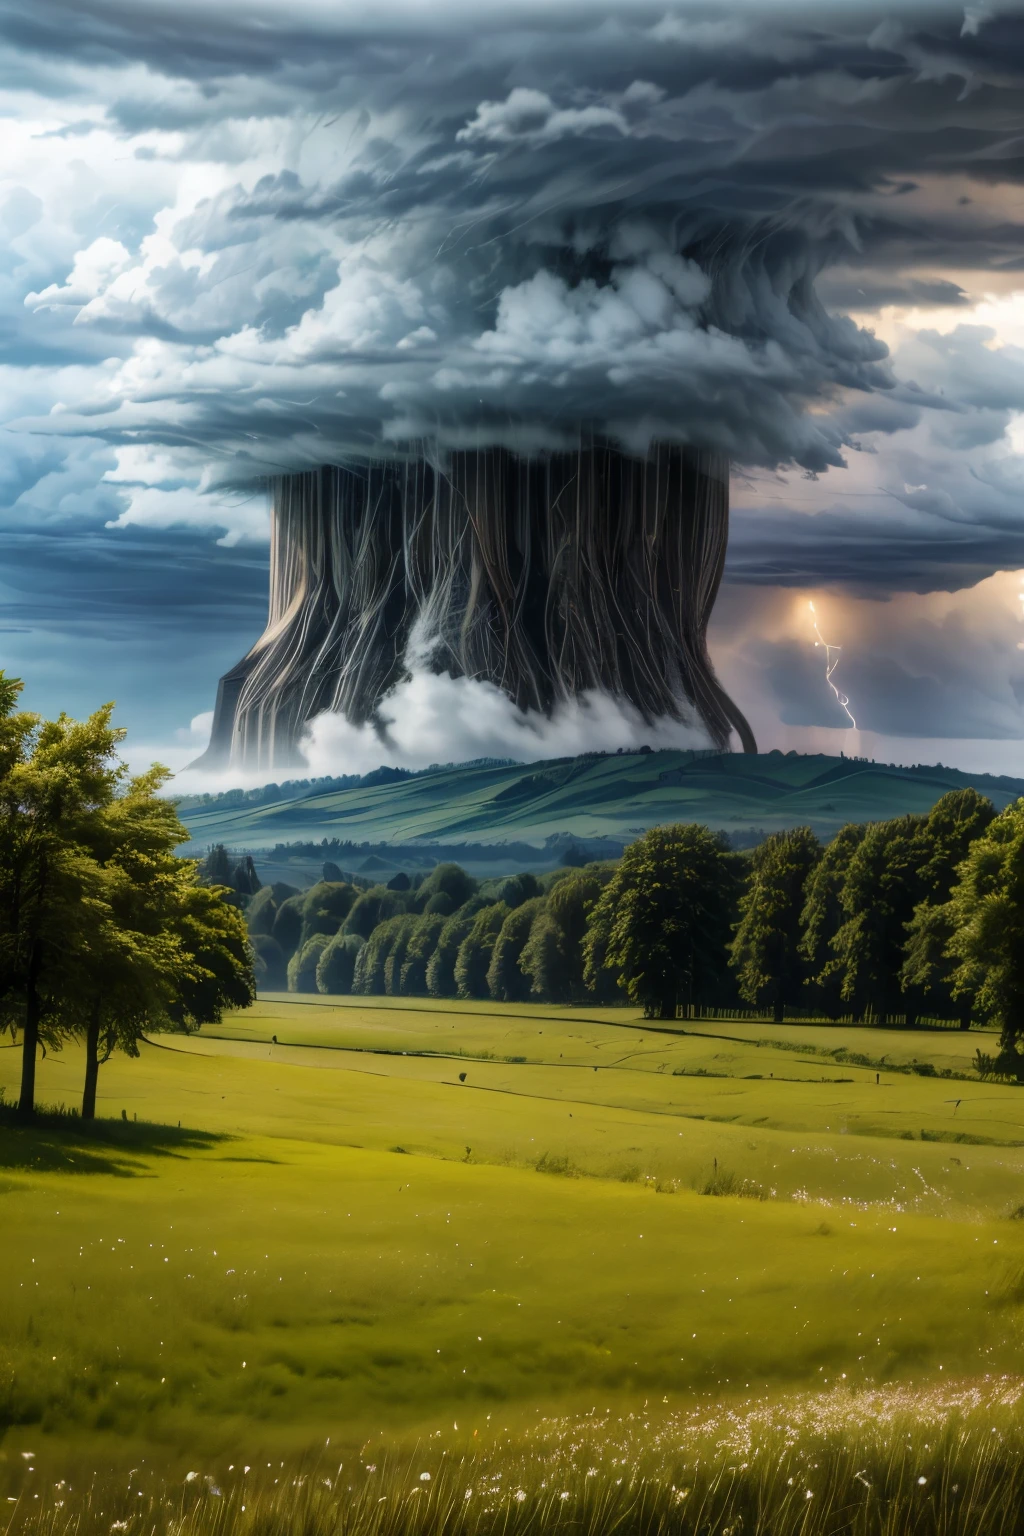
{"x":591,"y":797}
{"x":401,"y":1217}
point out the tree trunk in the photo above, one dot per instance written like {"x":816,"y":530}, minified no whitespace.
{"x":778,"y":1014}
{"x":668,"y":1006}
{"x":92,"y":1066}
{"x":30,"y":1044}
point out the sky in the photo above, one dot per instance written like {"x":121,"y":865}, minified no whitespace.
{"x":240,"y":239}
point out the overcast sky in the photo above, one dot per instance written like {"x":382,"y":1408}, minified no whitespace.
{"x":240,"y":238}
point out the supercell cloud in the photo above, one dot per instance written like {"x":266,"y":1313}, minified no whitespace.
{"x":242,"y":240}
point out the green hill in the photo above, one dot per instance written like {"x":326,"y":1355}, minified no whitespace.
{"x":594,"y":798}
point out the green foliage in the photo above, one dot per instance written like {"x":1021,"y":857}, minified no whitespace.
{"x":881,"y":889}
{"x":104,"y":932}
{"x":326,"y":907}
{"x":420,"y":945}
{"x":336,"y":966}
{"x":543,"y":962}
{"x":765,"y":952}
{"x":394,"y":965}
{"x":270,"y":968}
{"x":822,"y":915}
{"x":864,"y":924}
{"x":262,"y":910}
{"x":569,"y":906}
{"x":474,"y":954}
{"x":373,"y":958}
{"x":449,"y":880}
{"x":302,"y":967}
{"x":374,"y":906}
{"x":287,"y":926}
{"x":987,"y":908}
{"x":215,"y":869}
{"x":515,"y":889}
{"x":441,"y":965}
{"x":666,"y":914}
{"x":506,"y":982}
{"x":954,"y":823}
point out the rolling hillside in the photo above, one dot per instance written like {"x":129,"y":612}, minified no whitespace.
{"x":590,"y":798}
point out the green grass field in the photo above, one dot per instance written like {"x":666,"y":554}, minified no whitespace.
{"x":345,"y":1239}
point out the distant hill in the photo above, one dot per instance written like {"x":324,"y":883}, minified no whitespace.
{"x":605,"y":799}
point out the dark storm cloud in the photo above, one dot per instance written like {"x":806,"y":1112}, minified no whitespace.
{"x":870,"y":553}
{"x":891,"y":695}
{"x":515,"y":224}
{"x":83,"y":581}
{"x":240,"y":237}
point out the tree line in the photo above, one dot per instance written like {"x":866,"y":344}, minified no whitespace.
{"x":104,"y":931}
{"x":918,"y":915}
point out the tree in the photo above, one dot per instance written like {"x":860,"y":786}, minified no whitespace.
{"x":336,"y":966}
{"x":104,"y":932}
{"x":302,"y":967}
{"x":881,"y":889}
{"x":441,"y":966}
{"x":270,"y":968}
{"x":167,"y":950}
{"x":374,"y":906}
{"x":987,"y":942}
{"x":212,"y":936}
{"x":55,"y":777}
{"x":421,"y":945}
{"x":926,"y":975}
{"x":506,"y":982}
{"x":515,"y":889}
{"x":543,"y":962}
{"x":474,"y":955}
{"x":822,"y":915}
{"x":449,"y":880}
{"x":325,"y":908}
{"x":765,"y":952}
{"x":569,"y":905}
{"x":667,"y":912}
{"x":216,"y":867}
{"x":262,"y":910}
{"x":395,"y":962}
{"x":244,"y":878}
{"x":287,"y":926}
{"x":374,"y":957}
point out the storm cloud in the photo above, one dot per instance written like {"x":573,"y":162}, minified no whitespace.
{"x":562,"y":217}
{"x":244,"y":239}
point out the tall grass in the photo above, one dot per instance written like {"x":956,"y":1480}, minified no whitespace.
{"x":891,"y":1462}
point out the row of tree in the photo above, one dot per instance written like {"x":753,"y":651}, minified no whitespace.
{"x":104,"y":931}
{"x":920,"y":914}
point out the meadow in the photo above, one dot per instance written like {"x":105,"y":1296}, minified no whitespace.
{"x":463,"y":1226}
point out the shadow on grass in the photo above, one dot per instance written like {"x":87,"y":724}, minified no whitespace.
{"x":59,"y":1141}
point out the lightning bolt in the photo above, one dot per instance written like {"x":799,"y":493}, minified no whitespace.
{"x":831,"y":662}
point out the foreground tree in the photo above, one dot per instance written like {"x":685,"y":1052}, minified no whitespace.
{"x":664,"y":918}
{"x":104,"y":932}
{"x":765,"y":953}
{"x":987,"y":942}
{"x":55,"y":778}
